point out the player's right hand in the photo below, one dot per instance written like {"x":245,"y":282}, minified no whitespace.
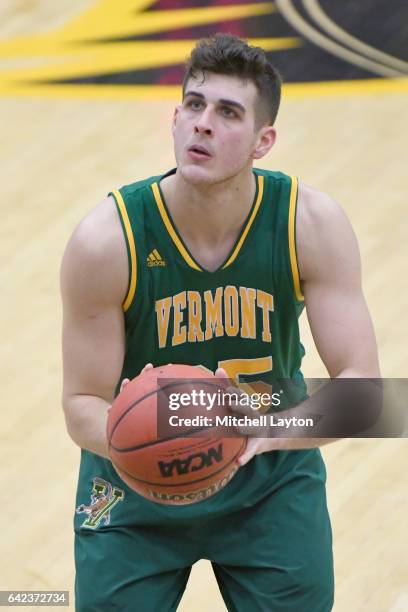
{"x":125,"y":381}
{"x":123,"y":384}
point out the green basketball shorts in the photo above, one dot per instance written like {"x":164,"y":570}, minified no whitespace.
{"x":273,"y":556}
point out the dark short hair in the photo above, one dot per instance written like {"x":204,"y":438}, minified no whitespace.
{"x":230,"y":55}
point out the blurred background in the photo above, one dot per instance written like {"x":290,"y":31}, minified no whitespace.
{"x":87,"y":91}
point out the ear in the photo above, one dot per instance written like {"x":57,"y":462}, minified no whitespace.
{"x":176,"y":112}
{"x":265,"y":141}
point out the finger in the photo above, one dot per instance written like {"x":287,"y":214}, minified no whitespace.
{"x":221,"y":373}
{"x":148,"y":366}
{"x":233,"y":394}
{"x":248,"y":453}
{"x":204,"y":369}
{"x":243,"y":460}
{"x":241,"y":407}
{"x":125,"y":381}
{"x":251,"y":432}
{"x":236,"y":391}
{"x":253,"y":428}
{"x":223,"y":378}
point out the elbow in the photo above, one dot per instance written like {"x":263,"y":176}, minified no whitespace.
{"x":72,"y":424}
{"x":86,"y":419}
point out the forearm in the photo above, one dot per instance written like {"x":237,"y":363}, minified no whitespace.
{"x":86,"y":417}
{"x":346,"y":406}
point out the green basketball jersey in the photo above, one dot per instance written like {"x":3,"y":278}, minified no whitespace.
{"x":242,"y":317}
{"x":246,"y":310}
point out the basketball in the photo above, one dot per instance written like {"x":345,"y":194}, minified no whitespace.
{"x":176,"y":468}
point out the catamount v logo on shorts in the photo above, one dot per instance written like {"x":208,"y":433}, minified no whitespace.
{"x":103,"y":498}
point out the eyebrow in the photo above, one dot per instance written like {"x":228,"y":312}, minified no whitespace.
{"x":225,"y":101}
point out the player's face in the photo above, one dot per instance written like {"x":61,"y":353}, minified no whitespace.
{"x":214,"y":129}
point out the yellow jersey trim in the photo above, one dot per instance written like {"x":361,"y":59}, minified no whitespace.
{"x":248,"y":225}
{"x":132,"y":249}
{"x":170,"y":229}
{"x":292,"y":239}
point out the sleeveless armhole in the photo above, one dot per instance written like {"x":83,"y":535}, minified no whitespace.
{"x":130,"y":247}
{"x":292,"y":239}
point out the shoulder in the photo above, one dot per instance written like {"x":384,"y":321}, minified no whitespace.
{"x":324,"y":235}
{"x":99,"y":235}
{"x":95,"y":258}
{"x":317,"y":208}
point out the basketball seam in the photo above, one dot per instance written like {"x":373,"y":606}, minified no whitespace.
{"x":169,"y":386}
{"x":186,"y":434}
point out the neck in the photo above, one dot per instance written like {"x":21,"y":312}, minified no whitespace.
{"x":210,"y":214}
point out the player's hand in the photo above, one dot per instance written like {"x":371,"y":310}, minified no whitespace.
{"x":257,"y":437}
{"x":125,"y":381}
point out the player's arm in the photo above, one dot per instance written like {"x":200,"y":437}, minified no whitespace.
{"x":94,"y":278}
{"x":330,"y":271}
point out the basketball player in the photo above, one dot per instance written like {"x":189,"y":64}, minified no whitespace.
{"x":210,"y":263}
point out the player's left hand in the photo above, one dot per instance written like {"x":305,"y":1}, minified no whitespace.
{"x":257,"y":437}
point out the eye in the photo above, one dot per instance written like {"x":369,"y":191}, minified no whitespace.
{"x":195,"y":104}
{"x":228,"y":112}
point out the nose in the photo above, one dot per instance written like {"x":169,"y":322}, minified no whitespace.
{"x":204,"y":123}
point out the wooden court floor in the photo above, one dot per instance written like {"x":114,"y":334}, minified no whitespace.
{"x":59,"y":157}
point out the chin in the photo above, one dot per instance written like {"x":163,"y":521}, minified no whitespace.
{"x":198,"y":175}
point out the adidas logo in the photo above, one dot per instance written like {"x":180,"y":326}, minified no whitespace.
{"x":154,"y":259}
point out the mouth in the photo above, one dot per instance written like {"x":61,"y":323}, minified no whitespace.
{"x":199,"y":152}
